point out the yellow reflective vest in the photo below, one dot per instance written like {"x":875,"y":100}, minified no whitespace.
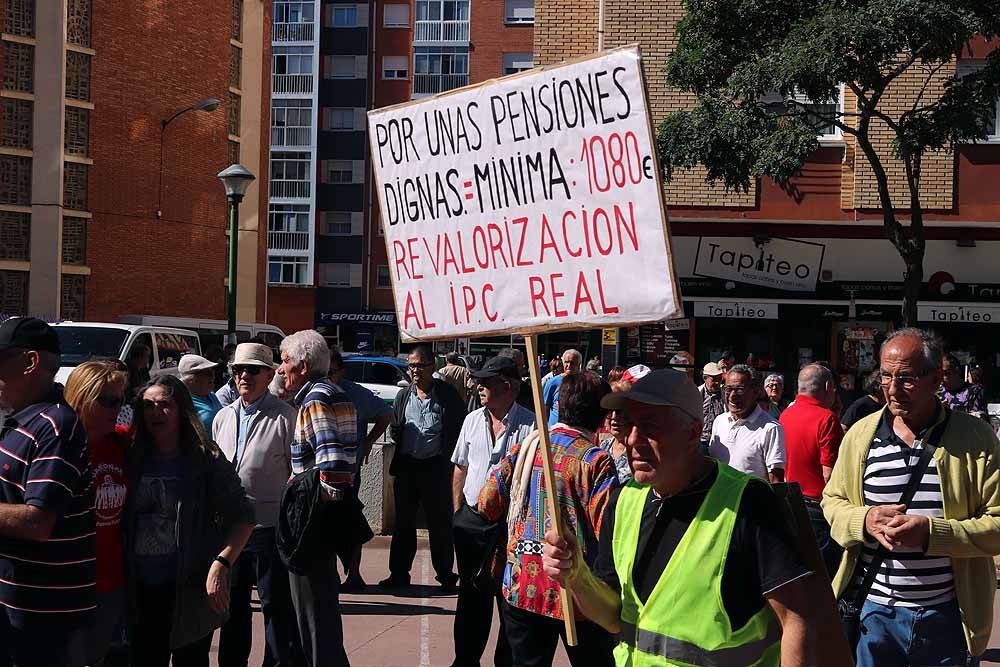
{"x":684,"y":621}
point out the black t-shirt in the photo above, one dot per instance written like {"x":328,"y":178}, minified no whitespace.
{"x":858,"y":410}
{"x":762,"y":555}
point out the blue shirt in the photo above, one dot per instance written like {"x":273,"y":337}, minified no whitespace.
{"x":207,"y":407}
{"x":551,"y":396}
{"x":246,"y":414}
{"x":369,"y":406}
{"x":422,"y":427}
{"x":44,"y":463}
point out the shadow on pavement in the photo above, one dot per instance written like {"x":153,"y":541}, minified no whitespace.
{"x":411,"y":591}
{"x":378,"y":608}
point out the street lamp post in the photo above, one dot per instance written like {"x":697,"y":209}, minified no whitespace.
{"x":236,"y":179}
{"x":208,"y":104}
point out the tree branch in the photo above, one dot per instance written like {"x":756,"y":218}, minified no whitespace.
{"x":926,"y":83}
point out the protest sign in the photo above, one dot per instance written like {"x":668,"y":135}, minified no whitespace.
{"x":529,"y":203}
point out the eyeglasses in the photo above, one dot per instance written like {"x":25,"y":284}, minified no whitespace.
{"x":414,"y":367}
{"x":250,"y":370}
{"x":110,"y":402}
{"x":905,"y":381}
{"x":739,"y":391}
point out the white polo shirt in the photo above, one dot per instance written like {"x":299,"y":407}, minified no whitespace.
{"x":755,"y":445}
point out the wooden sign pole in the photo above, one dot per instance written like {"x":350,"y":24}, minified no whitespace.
{"x":552,"y":504}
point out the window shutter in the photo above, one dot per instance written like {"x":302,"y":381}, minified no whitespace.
{"x":360,"y":119}
{"x":357,"y":223}
{"x":358,"y":171}
{"x":362,"y":15}
{"x":328,"y":16}
{"x":360,"y":67}
{"x":397,"y":15}
{"x":355,"y":275}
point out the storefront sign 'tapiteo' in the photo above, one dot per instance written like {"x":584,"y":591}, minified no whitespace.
{"x":943,"y":314}
{"x":782,"y":264}
{"x":736,"y":309}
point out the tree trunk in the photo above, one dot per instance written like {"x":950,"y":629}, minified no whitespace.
{"x":912,"y":281}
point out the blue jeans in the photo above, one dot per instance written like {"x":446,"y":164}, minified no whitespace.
{"x":903,"y":636}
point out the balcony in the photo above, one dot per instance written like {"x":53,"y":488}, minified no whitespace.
{"x":292,"y":84}
{"x":292,"y":32}
{"x":432,"y":84}
{"x":291,"y":137}
{"x":288,"y":240}
{"x":284,"y":189}
{"x":441,"y":31}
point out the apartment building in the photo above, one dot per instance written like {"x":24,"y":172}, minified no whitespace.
{"x":116,"y":120}
{"x":824,"y":222}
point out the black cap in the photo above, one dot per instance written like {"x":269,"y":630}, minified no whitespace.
{"x":28,"y":333}
{"x":496,"y":366}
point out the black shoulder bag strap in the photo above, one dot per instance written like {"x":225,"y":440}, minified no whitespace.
{"x":917,"y":474}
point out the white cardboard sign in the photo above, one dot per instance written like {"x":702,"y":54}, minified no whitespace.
{"x":526,"y":204}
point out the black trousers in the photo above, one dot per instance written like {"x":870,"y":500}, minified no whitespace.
{"x":473,"y":621}
{"x":42,"y":642}
{"x":828,"y":547}
{"x":424,"y":482}
{"x":316,"y":597}
{"x":151,"y":632}
{"x":260,"y":565}
{"x":533,"y":640}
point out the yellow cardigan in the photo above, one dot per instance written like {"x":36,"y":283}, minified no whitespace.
{"x":968,"y":464}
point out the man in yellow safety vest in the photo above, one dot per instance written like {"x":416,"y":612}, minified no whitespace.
{"x":696,"y":565}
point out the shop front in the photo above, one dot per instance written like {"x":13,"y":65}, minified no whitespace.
{"x":360,"y":332}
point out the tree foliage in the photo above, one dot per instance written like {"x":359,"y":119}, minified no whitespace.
{"x":758,"y":67}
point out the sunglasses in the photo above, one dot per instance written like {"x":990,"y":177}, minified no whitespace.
{"x":250,"y":370}
{"x":110,"y":402}
{"x":414,"y":367}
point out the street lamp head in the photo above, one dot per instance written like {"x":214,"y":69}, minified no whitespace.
{"x":207,"y":104}
{"x":237,"y":179}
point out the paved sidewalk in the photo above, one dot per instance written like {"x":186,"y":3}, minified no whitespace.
{"x":411,"y":628}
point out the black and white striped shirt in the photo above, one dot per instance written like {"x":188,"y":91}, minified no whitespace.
{"x":907,"y":577}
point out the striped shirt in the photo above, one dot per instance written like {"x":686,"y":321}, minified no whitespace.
{"x":43,"y":463}
{"x":906,"y":577}
{"x":325,"y":433}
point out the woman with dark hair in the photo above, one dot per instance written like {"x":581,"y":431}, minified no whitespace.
{"x":186,"y":521}
{"x":618,"y":427}
{"x":514,"y":492}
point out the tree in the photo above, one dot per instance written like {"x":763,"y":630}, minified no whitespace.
{"x":757,"y":68}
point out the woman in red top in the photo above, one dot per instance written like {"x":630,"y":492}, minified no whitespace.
{"x":96,"y":390}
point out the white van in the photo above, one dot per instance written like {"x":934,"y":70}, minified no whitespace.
{"x":213,"y":332}
{"x":86,"y":341}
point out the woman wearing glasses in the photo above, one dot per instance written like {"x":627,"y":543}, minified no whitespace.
{"x":96,"y":390}
{"x":187,"y":519}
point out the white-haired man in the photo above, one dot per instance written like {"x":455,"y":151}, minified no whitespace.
{"x":325,"y":438}
{"x":255,"y":432}
{"x":572,"y":362}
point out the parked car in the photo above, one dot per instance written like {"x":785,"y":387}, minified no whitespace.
{"x":384,"y":376}
{"x":87,"y":341}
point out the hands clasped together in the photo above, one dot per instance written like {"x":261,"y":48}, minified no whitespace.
{"x":892,"y":527}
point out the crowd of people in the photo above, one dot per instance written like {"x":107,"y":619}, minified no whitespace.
{"x":142,"y":531}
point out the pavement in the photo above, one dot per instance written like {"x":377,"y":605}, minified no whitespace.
{"x":413,"y":627}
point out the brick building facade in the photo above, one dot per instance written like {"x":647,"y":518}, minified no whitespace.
{"x":108,"y":235}
{"x":826,"y":217}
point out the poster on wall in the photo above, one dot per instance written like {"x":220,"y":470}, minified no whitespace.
{"x":511,"y":207}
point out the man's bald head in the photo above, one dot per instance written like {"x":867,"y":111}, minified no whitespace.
{"x":817,"y":381}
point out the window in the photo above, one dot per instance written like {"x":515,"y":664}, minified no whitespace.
{"x":74,"y":240}
{"x":18,"y":120}
{"x":75,"y":185}
{"x":338,"y":171}
{"x":345,"y":16}
{"x":78,"y":14}
{"x":442,"y":10}
{"x":395,"y":67}
{"x":233,"y":114}
{"x":77,"y":134}
{"x":19,"y":67}
{"x":341,"y":67}
{"x":19,"y":17}
{"x":340,"y":275}
{"x":289,"y":174}
{"x":338,"y":118}
{"x":293,"y":12}
{"x":396,"y":16}
{"x":14,"y":293}
{"x":288,"y":218}
{"x":236,"y":32}
{"x":437,"y":69}
{"x":516,"y":62}
{"x":77,"y":76}
{"x":291,"y":122}
{"x":966,"y":67}
{"x":71,"y":297}
{"x":382,"y":279}
{"x":337,"y":223}
{"x":15,"y":237}
{"x":235,"y":66}
{"x":15,"y":180}
{"x":816,"y":111}
{"x":519,"y":11}
{"x":171,"y":347}
{"x":292,"y":60}
{"x":287,"y":270}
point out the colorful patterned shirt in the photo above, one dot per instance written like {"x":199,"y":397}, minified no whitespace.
{"x":621,"y":463}
{"x":325,"y":432}
{"x":968,"y":399}
{"x":585,"y":476}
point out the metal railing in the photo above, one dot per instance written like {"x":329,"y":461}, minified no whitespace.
{"x":430,"y":84}
{"x":441,"y":31}
{"x":291,"y":136}
{"x":282,"y":188}
{"x":292,"y":32}
{"x":288,"y":240}
{"x":296,"y":84}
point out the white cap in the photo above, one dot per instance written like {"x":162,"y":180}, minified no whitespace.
{"x":192,"y":363}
